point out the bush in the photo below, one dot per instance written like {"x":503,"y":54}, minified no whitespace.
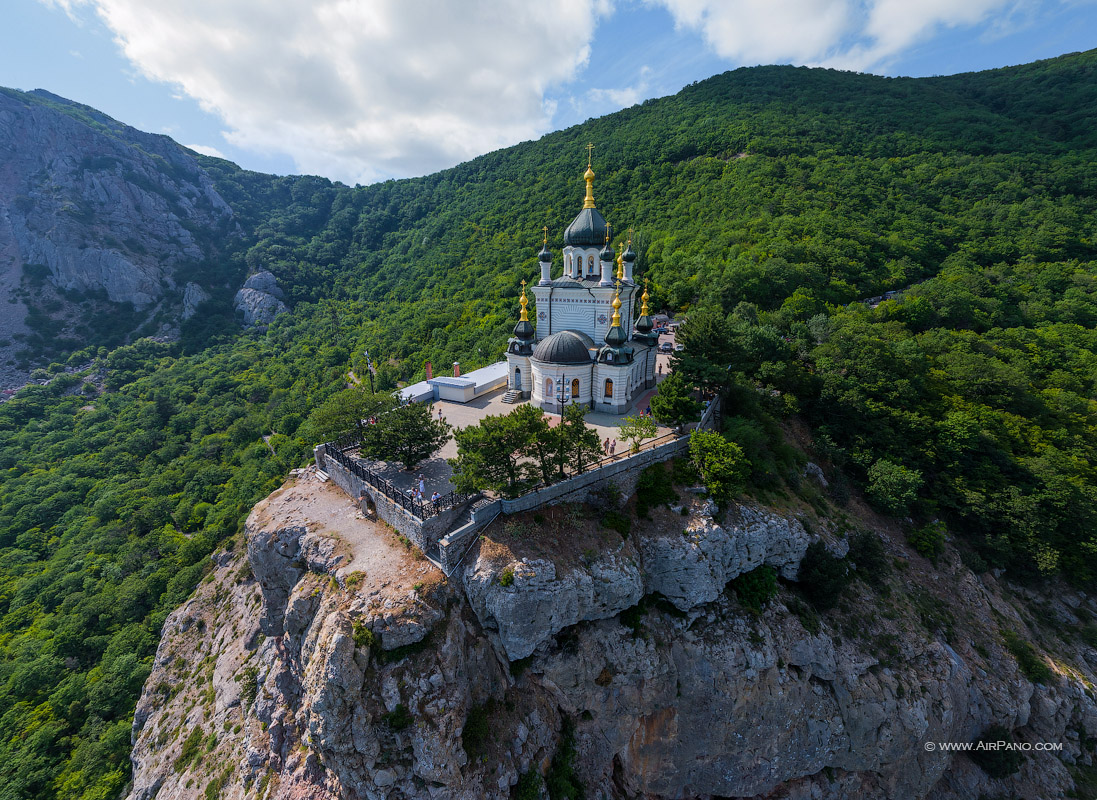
{"x":998,"y":762}
{"x":1033,"y":667}
{"x":615,"y":520}
{"x":506,"y":578}
{"x":474,"y":736}
{"x":399,"y":718}
{"x":823,"y":577}
{"x":869,"y":559}
{"x":893,"y":487}
{"x":755,"y":588}
{"x":653,"y":489}
{"x":722,"y":465}
{"x":363,"y":636}
{"x":563,"y":784}
{"x":528,"y":786}
{"x":929,"y":540}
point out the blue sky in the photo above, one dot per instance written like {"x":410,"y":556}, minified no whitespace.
{"x":363,"y":90}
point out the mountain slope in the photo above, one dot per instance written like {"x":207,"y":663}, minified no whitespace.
{"x":95,"y":217}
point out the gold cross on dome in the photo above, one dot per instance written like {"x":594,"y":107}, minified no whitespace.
{"x":545,"y":230}
{"x":590,"y":149}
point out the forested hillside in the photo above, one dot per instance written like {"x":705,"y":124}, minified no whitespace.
{"x":766,"y":203}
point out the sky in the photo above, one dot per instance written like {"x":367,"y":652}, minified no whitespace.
{"x":366,"y":90}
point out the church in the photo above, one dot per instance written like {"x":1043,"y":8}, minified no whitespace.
{"x":586,"y":349}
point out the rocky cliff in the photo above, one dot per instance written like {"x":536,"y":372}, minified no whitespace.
{"x":323,"y":660}
{"x":97,"y":209}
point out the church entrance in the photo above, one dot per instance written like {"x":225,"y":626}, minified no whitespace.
{"x":517,"y":379}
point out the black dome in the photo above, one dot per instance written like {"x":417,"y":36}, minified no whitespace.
{"x":588,"y":229}
{"x":524,"y":329}
{"x":629,"y":254}
{"x":544,"y":255}
{"x":608,"y":253}
{"x":565,"y":347}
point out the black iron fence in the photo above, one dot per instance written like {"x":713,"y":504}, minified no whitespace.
{"x":420,"y":509}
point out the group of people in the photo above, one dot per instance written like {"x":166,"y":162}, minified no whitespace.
{"x":419,"y":492}
{"x":609,"y":446}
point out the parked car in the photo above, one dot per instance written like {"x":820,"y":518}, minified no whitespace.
{"x":661,"y":330}
{"x":678,"y":348}
{"x":666,"y":347}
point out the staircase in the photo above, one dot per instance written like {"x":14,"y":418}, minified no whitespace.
{"x":512,"y":396}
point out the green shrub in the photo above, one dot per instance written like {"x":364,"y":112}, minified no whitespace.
{"x":249,"y":683}
{"x":477,"y":730}
{"x":399,"y":718}
{"x":1033,"y":667}
{"x":192,"y":749}
{"x":997,"y":762}
{"x":363,"y":636}
{"x":757,"y":587}
{"x":823,"y":577}
{"x":653,"y":489}
{"x":615,"y":520}
{"x":722,"y":465}
{"x":929,"y":540}
{"x":506,"y":577}
{"x":562,"y":782}
{"x":528,"y":786}
{"x":868,"y":557}
{"x":893,"y":487}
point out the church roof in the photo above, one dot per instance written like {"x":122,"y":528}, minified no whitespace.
{"x":565,"y":347}
{"x":566,"y":282}
{"x":588,"y":229}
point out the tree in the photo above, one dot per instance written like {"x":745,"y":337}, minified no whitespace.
{"x":635,"y":429}
{"x":408,"y":434}
{"x":345,"y":411}
{"x":722,"y":465}
{"x":543,"y":445}
{"x":673,"y":402}
{"x":489,"y":454}
{"x":579,"y":445}
{"x":893,"y":487}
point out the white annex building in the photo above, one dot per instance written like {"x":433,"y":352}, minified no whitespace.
{"x":586,"y":348}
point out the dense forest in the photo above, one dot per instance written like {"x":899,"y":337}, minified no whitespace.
{"x":766,"y":204}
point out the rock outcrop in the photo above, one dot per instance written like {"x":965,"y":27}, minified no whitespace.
{"x":283,"y":657}
{"x":193,"y":296}
{"x":259,"y":300}
{"x":102,"y":206}
{"x":689,"y":567}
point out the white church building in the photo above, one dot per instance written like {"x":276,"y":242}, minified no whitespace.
{"x":586,"y":348}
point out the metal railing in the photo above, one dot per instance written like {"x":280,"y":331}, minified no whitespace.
{"x":420,"y":509}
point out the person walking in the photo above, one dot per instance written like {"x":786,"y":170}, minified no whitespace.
{"x":605,"y":446}
{"x":422,"y":486}
{"x":613,"y":447}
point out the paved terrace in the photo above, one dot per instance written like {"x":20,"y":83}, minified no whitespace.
{"x":436,"y":472}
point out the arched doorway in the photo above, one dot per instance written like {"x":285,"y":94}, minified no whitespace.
{"x":609,"y":389}
{"x":575,"y":390}
{"x":517,"y":379}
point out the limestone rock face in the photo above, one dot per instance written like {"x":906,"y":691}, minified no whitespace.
{"x":193,"y":296}
{"x":540,"y":603}
{"x":689,"y":568}
{"x":712,"y":701}
{"x":102,"y":206}
{"x":259,"y":300}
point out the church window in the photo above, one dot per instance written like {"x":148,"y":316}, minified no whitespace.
{"x":575,"y":389}
{"x":548,"y":388}
{"x":609,"y":388}
{"x":590,"y":265}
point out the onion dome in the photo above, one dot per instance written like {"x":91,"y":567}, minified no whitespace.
{"x":644,"y":324}
{"x":607,"y":253}
{"x":629,"y":256}
{"x":589,"y":228}
{"x":545,"y":257}
{"x":524,"y":329}
{"x":565,"y":347}
{"x":615,"y":336}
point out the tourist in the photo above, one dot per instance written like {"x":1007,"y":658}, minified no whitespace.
{"x":613,"y":447}
{"x":434,"y":498}
{"x":605,"y":446}
{"x":422,"y":486}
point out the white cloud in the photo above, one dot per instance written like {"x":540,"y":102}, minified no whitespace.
{"x":205,"y":150}
{"x":361,"y":90}
{"x":626,"y":96}
{"x":852,"y":34}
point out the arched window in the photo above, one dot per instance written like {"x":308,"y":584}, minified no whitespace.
{"x":548,"y":388}
{"x":609,"y":388}
{"x":590,"y":265}
{"x":518,"y":378}
{"x":575,"y":390}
